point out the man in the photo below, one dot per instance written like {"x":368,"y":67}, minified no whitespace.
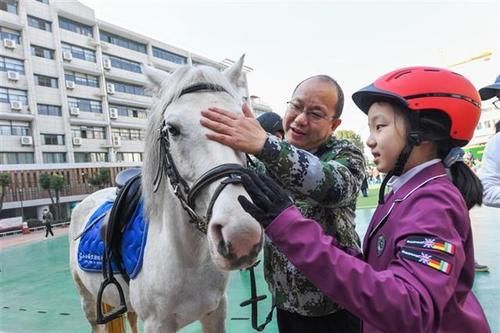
{"x":322,"y":174}
{"x":490,"y":166}
{"x":47,"y":218}
{"x":272,"y":123}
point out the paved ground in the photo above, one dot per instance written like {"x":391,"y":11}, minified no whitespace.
{"x":37,"y":294}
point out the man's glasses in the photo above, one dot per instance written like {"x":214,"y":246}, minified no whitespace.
{"x":313,"y":115}
{"x":497,"y":103}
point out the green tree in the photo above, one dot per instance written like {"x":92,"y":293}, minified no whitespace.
{"x":5,"y":181}
{"x":101,"y":179}
{"x":54,"y":184}
{"x":352,"y":136}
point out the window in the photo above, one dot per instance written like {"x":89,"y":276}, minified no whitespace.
{"x":129,"y":157}
{"x":79,"y":52}
{"x":9,"y":6}
{"x":167,"y":55}
{"x":125,"y":64}
{"x":82,"y":79}
{"x":49,"y":110}
{"x":6,"y":33}
{"x":46,"y":81}
{"x":129,"y":111}
{"x":11,"y":64}
{"x":16,"y":158}
{"x":85,"y":105}
{"x":88,"y":132}
{"x":122,"y":41}
{"x":74,"y":26}
{"x":54,"y":157}
{"x":129,"y":88}
{"x":43,"y":52}
{"x":8,"y":95}
{"x":39,"y":23}
{"x":91,"y":157}
{"x":128,"y":133}
{"x":52,"y":139}
{"x":15,"y":128}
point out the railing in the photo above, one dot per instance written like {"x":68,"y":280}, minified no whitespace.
{"x":35,"y":193}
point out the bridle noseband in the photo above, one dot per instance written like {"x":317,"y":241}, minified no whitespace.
{"x":187,"y":195}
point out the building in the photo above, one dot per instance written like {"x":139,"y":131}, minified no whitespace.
{"x":73,"y":98}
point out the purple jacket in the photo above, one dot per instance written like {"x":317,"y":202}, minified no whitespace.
{"x":418,"y":266}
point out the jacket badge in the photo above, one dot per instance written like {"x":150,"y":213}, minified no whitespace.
{"x":380,"y":245}
{"x":426,"y":258}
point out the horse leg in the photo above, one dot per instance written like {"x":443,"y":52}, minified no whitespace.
{"x":214,"y":322}
{"x":132,"y":321}
{"x":88,"y":305}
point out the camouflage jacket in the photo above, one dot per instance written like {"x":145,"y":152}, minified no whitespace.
{"x":325,"y":186}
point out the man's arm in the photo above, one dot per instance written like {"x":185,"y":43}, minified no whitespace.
{"x":331,"y":181}
{"x":490,"y":172}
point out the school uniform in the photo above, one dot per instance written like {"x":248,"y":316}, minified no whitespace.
{"x":417,"y":269}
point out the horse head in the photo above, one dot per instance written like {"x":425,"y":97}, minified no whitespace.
{"x":198,"y":176}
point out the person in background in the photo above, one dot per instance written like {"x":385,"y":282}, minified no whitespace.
{"x":364,"y":186}
{"x":417,"y":269}
{"x":47,"y":222}
{"x":323,"y":174}
{"x":490,"y":169}
{"x":272,"y":123}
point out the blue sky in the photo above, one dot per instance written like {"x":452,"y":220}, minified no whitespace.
{"x":353,"y":41}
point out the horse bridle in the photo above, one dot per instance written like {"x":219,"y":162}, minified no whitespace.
{"x":187,"y":195}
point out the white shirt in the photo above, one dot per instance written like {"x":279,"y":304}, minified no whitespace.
{"x":396,"y":182}
{"x":490,"y":172}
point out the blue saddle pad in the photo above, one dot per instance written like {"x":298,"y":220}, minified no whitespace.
{"x":91,"y":248}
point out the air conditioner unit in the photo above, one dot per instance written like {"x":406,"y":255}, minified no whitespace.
{"x":26,"y":140}
{"x":11,"y":75}
{"x":67,"y":55}
{"x":113,"y":113}
{"x":106,"y":63}
{"x":77,"y":141}
{"x":74,"y":111}
{"x":16,"y":105}
{"x":117,"y":141}
{"x":9,"y":43}
{"x":70,"y":84}
{"x":110,"y":88}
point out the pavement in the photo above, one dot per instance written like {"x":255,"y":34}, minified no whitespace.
{"x":34,"y":236}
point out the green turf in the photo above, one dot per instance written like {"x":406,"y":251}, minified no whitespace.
{"x":371,"y":200}
{"x":37,"y":294}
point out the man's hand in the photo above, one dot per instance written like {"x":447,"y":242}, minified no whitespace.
{"x":242,"y":133}
{"x":269,"y":199}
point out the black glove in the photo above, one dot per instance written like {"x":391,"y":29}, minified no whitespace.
{"x":269,"y":199}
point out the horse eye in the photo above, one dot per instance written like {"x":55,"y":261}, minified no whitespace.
{"x":174,"y":131}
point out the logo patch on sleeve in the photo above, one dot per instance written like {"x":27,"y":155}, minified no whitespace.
{"x":429,"y":242}
{"x":427,"y":259}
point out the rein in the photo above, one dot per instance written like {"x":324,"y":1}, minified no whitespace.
{"x":187,"y":195}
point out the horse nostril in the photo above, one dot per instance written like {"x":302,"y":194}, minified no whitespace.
{"x":216,"y":231}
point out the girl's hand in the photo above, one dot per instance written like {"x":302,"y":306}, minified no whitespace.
{"x":269,"y":199}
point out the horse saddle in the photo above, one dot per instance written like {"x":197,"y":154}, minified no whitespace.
{"x":116,"y":230}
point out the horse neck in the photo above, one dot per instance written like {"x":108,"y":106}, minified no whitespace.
{"x":185,"y":242}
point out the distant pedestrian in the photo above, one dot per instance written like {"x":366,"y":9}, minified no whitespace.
{"x":47,"y":222}
{"x":364,"y":187}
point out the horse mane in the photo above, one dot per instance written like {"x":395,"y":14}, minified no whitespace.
{"x":170,"y":91}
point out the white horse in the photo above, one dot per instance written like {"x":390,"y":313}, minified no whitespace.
{"x":185,"y":272}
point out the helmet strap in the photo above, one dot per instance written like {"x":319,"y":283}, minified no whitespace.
{"x":413,"y":138}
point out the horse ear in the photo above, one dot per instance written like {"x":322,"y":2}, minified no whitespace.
{"x":155,"y":76}
{"x":233,"y":73}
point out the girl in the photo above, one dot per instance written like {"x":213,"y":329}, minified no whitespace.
{"x":417,"y":269}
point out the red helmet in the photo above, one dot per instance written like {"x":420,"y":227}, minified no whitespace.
{"x":423,"y":88}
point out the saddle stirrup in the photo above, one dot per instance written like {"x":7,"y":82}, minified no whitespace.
{"x":103,"y":318}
